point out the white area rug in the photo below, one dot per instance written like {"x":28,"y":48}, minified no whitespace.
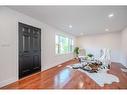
{"x":101,"y":78}
{"x":124,"y":70}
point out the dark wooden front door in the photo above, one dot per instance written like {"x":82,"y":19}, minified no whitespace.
{"x":29,"y":49}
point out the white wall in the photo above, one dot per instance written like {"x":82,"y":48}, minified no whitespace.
{"x":93,"y":44}
{"x":9,"y":44}
{"x":50,"y":59}
{"x":124,"y":47}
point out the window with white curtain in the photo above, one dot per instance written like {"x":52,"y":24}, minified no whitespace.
{"x":63,"y":44}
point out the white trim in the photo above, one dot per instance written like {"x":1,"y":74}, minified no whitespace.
{"x":64,"y":54}
{"x":66,"y":36}
{"x":8,"y":81}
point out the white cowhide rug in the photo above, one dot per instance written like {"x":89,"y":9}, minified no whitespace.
{"x":124,"y":70}
{"x":101,"y":77}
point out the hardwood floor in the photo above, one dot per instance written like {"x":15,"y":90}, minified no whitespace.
{"x":61,"y":77}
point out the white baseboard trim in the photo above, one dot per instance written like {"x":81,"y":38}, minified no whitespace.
{"x":58,"y":63}
{"x":8,"y":81}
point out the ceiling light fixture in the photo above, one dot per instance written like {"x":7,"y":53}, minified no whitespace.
{"x":70,"y":26}
{"x":81,"y":33}
{"x":110,"y":15}
{"x":107,"y":30}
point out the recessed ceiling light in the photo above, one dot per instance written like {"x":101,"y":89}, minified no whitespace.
{"x":81,"y":33}
{"x":110,"y":15}
{"x":106,"y":29}
{"x":70,"y":26}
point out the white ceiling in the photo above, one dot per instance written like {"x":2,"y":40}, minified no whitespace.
{"x":84,"y":19}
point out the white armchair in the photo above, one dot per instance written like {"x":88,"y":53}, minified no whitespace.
{"x":105,"y":58}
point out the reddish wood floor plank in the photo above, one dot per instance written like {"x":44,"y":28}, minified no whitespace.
{"x":67,"y":78}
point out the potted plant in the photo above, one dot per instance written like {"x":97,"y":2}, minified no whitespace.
{"x":90,"y":56}
{"x":76,"y":51}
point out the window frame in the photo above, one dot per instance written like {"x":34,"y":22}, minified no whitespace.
{"x":69,"y":38}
